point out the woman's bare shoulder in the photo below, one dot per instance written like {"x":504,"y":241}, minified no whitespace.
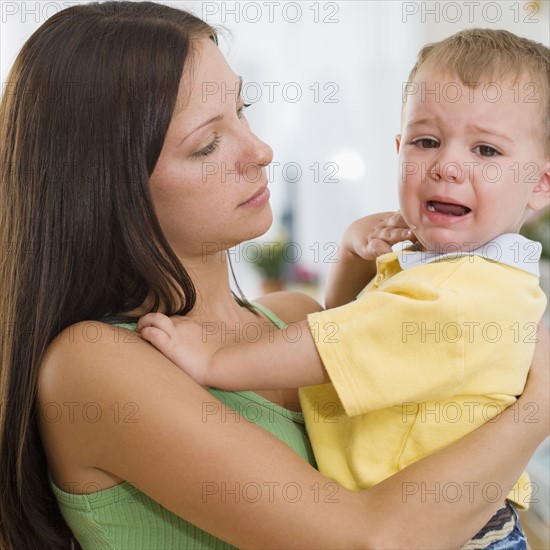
{"x":91,"y":353}
{"x":102,"y":388}
{"x":291,"y":307}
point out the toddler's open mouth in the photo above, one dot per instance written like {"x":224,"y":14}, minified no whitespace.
{"x":447,"y":208}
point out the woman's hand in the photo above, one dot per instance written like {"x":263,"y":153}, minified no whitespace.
{"x":363,"y":241}
{"x":537,"y":389}
{"x":182,"y":340}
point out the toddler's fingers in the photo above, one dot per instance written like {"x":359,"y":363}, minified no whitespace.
{"x":379,"y":247}
{"x":158,"y":320}
{"x":157,"y":337}
{"x":396,"y":220}
{"x":374,"y":248}
{"x":395,"y":235}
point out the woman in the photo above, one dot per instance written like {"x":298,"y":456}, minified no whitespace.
{"x":110,"y":216}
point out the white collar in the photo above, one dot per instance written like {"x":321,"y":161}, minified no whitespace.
{"x":509,"y":249}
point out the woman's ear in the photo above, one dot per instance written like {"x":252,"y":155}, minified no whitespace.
{"x":540,"y":196}
{"x":398,"y":142}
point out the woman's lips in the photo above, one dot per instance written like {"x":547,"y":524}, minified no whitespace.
{"x":258,"y":199}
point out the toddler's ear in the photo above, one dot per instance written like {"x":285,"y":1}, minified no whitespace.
{"x":540,"y":196}
{"x":398,"y":142}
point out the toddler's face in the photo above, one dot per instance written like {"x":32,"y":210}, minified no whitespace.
{"x":471,"y":160}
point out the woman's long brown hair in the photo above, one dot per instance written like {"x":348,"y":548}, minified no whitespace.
{"x":82,"y":122}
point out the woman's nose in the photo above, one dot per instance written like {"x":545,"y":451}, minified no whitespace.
{"x":262,"y":151}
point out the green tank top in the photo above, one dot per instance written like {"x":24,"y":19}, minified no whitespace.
{"x":122,"y":517}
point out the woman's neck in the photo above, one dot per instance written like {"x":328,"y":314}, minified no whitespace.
{"x":214,"y":300}
{"x":210,"y":275}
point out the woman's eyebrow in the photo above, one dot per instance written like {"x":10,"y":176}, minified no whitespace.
{"x":215,"y":118}
{"x":240,"y":88}
{"x":202,"y":125}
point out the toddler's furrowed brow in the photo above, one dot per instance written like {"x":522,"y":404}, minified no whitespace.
{"x":421,"y":121}
{"x":491,"y":132}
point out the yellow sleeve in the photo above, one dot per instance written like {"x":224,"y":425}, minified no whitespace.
{"x":428,"y":334}
{"x":379,"y":352}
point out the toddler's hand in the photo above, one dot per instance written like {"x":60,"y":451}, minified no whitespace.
{"x":373,"y":235}
{"x":181,"y":339}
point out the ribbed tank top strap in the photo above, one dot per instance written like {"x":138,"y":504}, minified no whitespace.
{"x":269,"y":314}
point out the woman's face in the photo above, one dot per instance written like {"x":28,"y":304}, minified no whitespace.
{"x":209,"y":187}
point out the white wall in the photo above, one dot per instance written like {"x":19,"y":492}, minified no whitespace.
{"x":355,"y":55}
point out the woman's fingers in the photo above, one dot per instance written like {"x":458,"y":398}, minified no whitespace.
{"x":540,"y":365}
{"x":538,"y":381}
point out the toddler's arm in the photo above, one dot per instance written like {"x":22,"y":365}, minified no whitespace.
{"x":363,"y":241}
{"x":285,"y":358}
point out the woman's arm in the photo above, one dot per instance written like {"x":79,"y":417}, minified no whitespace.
{"x":190,"y":461}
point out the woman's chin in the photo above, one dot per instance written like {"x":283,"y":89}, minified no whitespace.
{"x":262,"y":226}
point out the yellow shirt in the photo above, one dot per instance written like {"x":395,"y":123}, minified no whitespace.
{"x":434,"y":347}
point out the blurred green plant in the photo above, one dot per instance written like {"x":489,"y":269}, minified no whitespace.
{"x":270,"y":259}
{"x":537,"y":228}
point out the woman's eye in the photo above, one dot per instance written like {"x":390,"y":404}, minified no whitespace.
{"x":486,"y":151}
{"x":208,"y":149}
{"x":426,"y":143}
{"x":240,"y":111}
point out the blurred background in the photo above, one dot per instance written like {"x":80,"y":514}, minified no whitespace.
{"x":325,"y":80}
